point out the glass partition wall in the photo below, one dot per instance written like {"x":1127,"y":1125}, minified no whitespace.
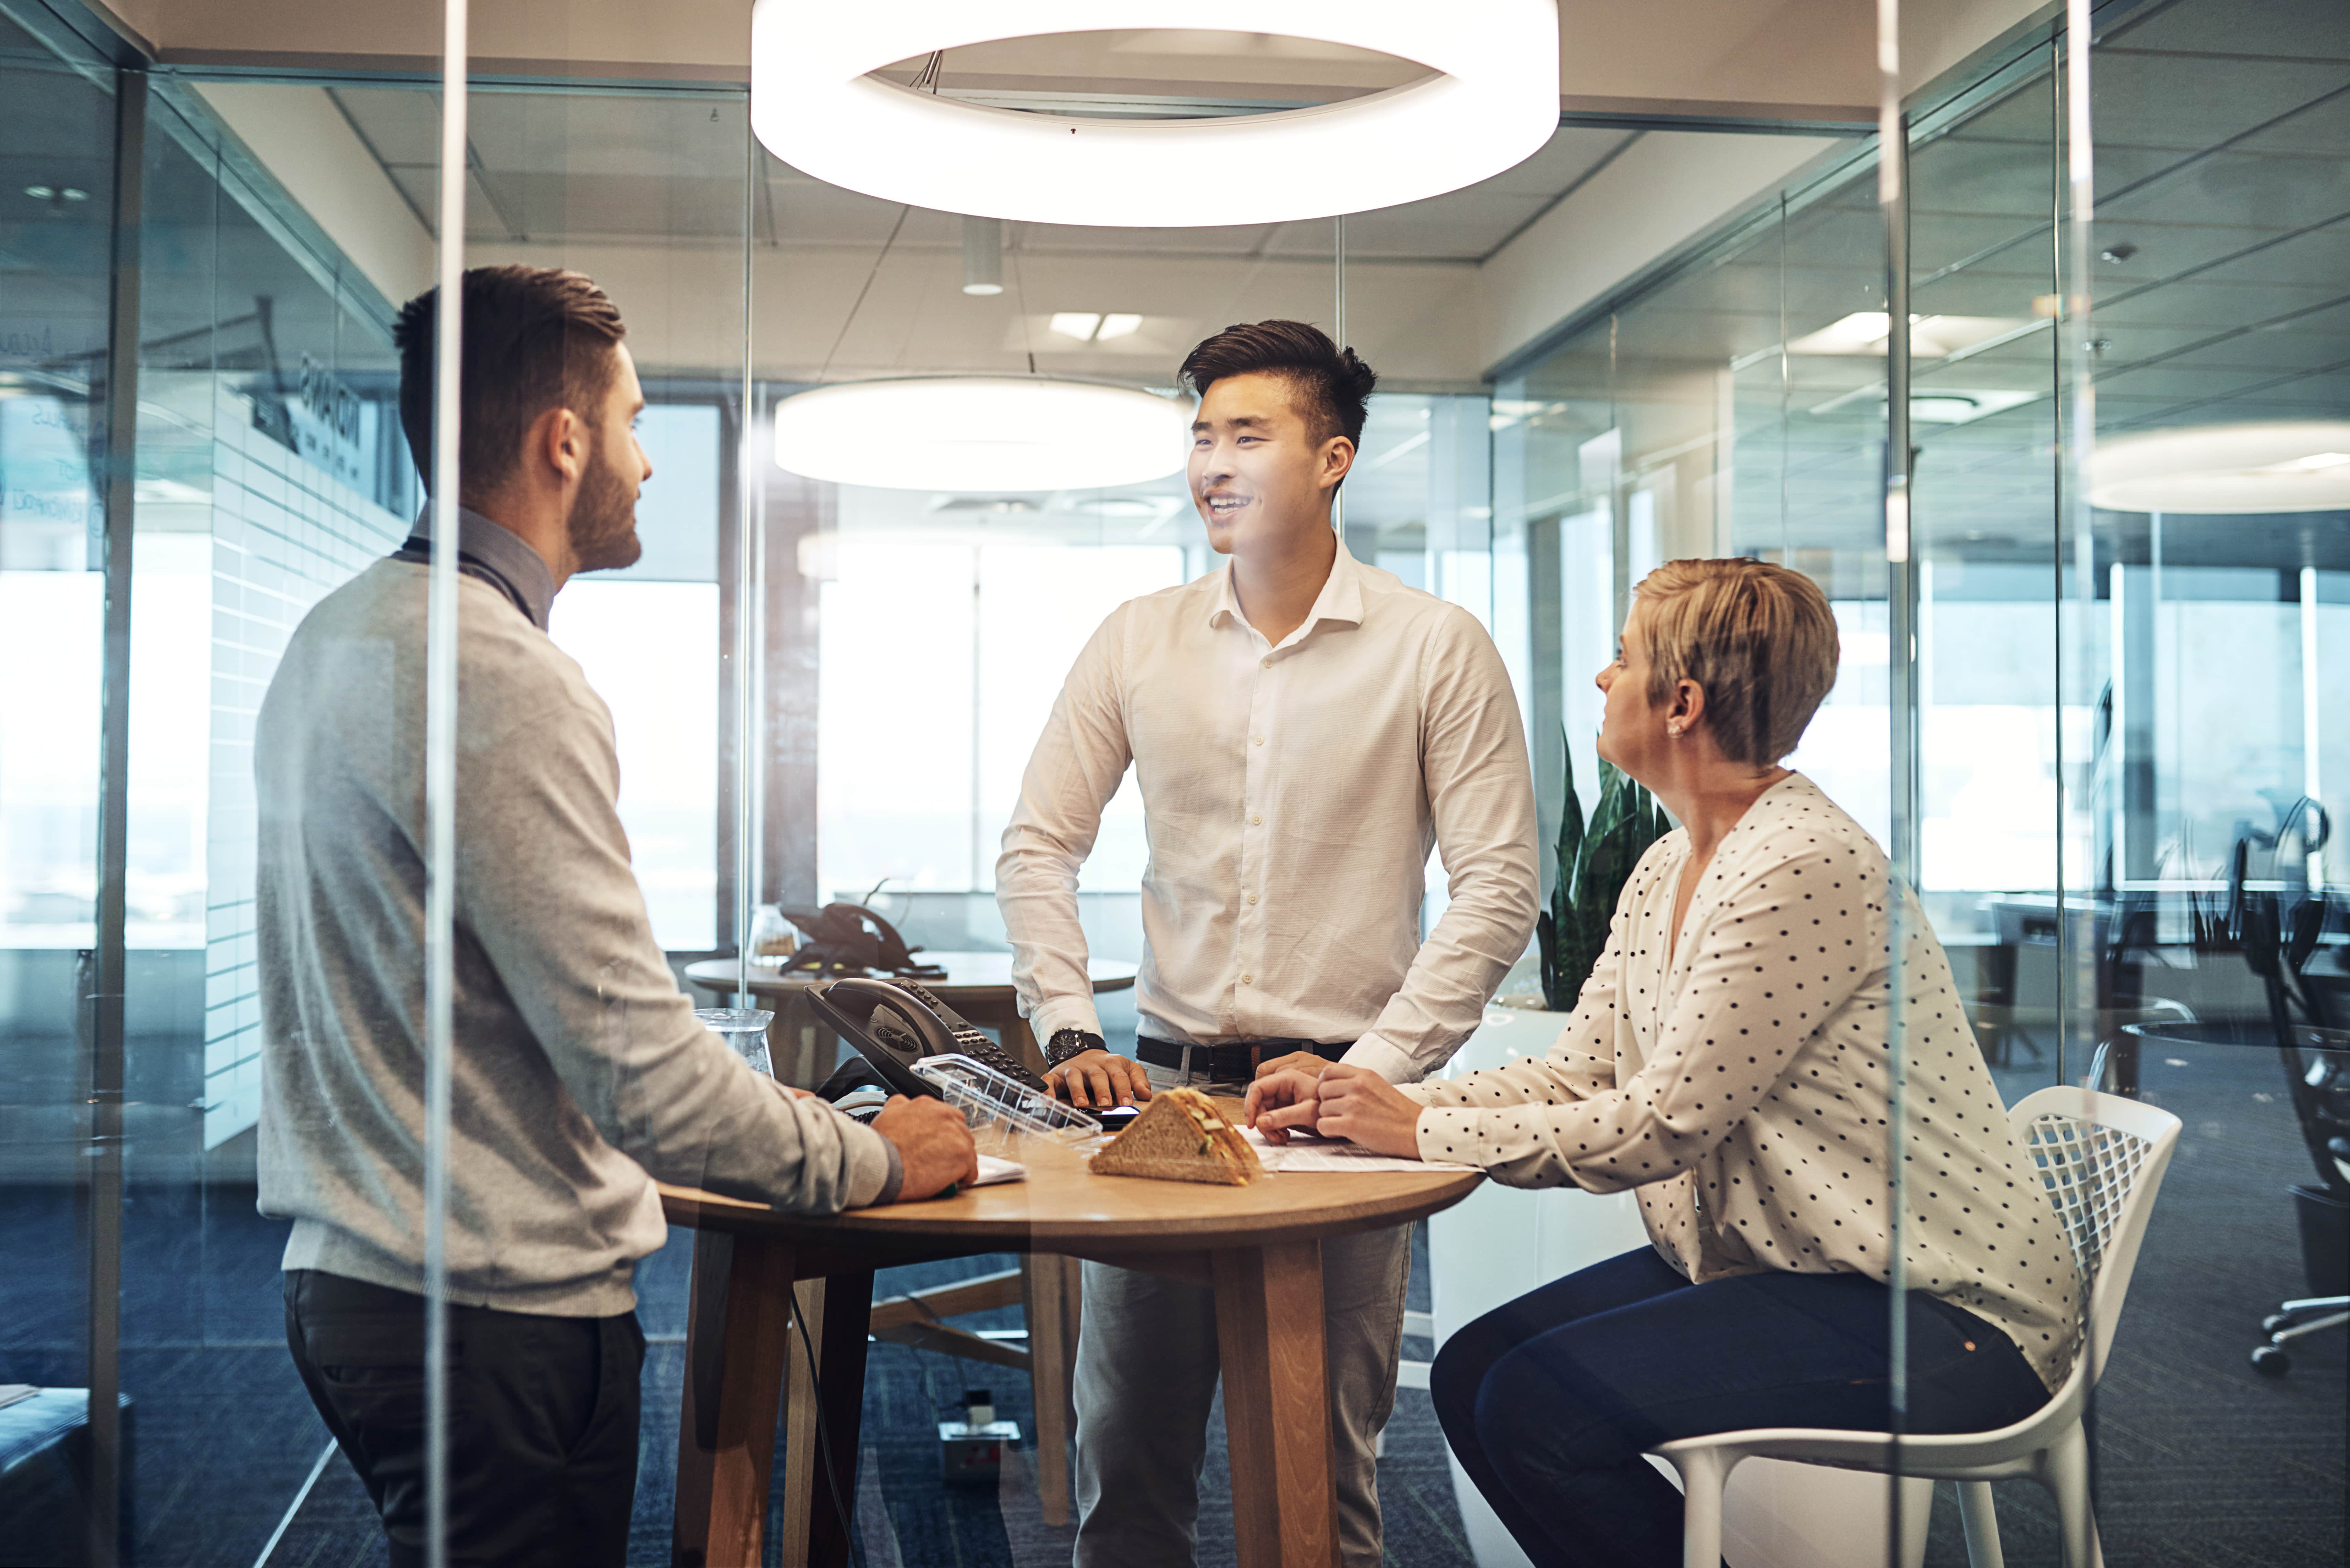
{"x":2125,"y":803}
{"x":2125,"y":755}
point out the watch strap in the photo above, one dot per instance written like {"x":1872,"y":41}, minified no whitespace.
{"x":1069,"y":1042}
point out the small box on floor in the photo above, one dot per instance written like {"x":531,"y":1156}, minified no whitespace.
{"x":972,"y":1449}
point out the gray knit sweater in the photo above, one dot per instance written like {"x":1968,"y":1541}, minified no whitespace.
{"x":581,"y":1074}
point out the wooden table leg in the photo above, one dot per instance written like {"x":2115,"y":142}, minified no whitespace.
{"x":734,"y":1343}
{"x":800,"y":1475}
{"x":839,"y":1317}
{"x":1050,"y":1279}
{"x":1276,"y":1405}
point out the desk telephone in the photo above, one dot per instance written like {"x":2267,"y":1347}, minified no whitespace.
{"x":850,"y":938}
{"x":893,"y":1023}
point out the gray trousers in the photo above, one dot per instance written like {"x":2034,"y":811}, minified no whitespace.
{"x":1146,"y":1380}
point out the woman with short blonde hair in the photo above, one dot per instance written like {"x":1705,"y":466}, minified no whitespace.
{"x":1729,"y":1060}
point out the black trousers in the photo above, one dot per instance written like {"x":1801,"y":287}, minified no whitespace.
{"x":542,"y":1421}
{"x":1549,"y":1401}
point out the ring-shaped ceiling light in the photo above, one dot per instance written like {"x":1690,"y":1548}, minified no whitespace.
{"x":1493,"y":103}
{"x":981,"y":432}
{"x":2288,"y":466}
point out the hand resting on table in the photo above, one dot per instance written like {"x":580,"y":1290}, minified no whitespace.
{"x":1351,"y":1103}
{"x":933,"y":1143}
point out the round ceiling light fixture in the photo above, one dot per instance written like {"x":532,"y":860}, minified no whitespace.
{"x":1491,"y":102}
{"x":981,"y":432}
{"x":2300,"y":466}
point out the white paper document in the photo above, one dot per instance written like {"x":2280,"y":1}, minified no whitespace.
{"x":1307,"y":1152}
{"x":993,"y":1170}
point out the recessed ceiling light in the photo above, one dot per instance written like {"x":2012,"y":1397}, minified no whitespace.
{"x":1931,"y":336}
{"x":1118,"y":324}
{"x":1080,"y":325}
{"x":988,"y":433}
{"x":1491,"y":102}
{"x":2225,"y":469}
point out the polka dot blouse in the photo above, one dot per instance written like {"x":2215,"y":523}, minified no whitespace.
{"x":1740,"y":1085}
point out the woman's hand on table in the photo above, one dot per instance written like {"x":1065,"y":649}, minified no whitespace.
{"x":933,"y":1145}
{"x":1352,"y":1103}
{"x":1100,"y":1078}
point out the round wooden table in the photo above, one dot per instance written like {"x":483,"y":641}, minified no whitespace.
{"x":1258,"y":1247}
{"x":978,"y":985}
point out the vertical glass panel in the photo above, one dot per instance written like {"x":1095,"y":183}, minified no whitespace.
{"x":270,"y":471}
{"x":61,"y":1219}
{"x":1991,"y":733}
{"x":2211,"y":944}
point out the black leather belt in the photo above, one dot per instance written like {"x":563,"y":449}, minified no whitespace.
{"x":1235,"y":1063}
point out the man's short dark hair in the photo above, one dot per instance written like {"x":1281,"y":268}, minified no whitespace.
{"x":1333,"y":387}
{"x":536,"y":339}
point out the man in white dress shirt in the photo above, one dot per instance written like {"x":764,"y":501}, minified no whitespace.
{"x":1304,"y":729}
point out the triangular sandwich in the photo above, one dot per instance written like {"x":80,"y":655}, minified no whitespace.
{"x":1181,"y":1136}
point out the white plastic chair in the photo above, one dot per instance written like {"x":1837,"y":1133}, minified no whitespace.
{"x":2102,"y":1158}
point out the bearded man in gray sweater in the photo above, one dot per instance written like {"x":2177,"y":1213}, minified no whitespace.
{"x":581,"y":1076}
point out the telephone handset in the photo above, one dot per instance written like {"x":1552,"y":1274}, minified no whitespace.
{"x":893,"y":1023}
{"x":848,"y":939}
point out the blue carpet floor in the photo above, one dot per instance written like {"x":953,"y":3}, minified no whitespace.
{"x":2203,"y":1463}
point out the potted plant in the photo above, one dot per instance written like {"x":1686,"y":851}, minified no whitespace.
{"x":1593,"y":863}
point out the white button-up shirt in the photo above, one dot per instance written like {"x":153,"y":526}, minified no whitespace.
{"x":1291,"y":795}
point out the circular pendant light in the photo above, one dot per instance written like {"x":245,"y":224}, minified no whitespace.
{"x":981,"y":432}
{"x":2299,"y":466}
{"x":1492,"y":102}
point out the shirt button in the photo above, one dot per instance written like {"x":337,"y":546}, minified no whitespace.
{"x":1248,"y":980}
{"x":1257,"y":740}
{"x":1265,"y":663}
{"x":1255,"y":821}
{"x":1252,"y":897}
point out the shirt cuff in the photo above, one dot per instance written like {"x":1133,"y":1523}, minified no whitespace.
{"x":1458,"y":1136}
{"x":1382,"y":1058}
{"x":1062,"y":1013}
{"x":875,"y":1168}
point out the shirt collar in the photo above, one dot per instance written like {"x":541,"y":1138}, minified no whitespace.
{"x":1340,"y":600}
{"x":506,"y":555}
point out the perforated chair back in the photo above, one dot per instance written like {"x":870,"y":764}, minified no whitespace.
{"x":2100,"y":1160}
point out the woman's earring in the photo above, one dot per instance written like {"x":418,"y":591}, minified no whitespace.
{"x":1673,"y":732}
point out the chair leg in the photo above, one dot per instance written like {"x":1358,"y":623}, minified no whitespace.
{"x":2068,"y":1472}
{"x":1702,"y":1475}
{"x":1981,"y":1520}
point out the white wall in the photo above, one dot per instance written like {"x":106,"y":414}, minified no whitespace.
{"x":304,"y":140}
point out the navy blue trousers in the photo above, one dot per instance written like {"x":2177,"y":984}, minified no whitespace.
{"x":1549,"y":1400}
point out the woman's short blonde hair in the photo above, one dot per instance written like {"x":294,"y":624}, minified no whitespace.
{"x":1759,"y":640}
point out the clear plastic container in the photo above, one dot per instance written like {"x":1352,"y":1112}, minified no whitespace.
{"x":745,"y":1029}
{"x":999,"y":1108}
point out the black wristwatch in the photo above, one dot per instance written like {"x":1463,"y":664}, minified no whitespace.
{"x":1069,"y":1042}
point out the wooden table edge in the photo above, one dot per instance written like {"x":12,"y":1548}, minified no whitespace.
{"x":922,"y":1225}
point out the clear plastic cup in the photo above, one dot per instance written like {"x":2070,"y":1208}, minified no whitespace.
{"x":745,"y":1029}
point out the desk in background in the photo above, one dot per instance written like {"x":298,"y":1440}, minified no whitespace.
{"x":978,"y":985}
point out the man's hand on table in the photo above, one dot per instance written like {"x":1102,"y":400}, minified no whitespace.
{"x":1305,"y":1062}
{"x":1100,"y":1078}
{"x":1351,"y":1103}
{"x":933,"y":1144}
